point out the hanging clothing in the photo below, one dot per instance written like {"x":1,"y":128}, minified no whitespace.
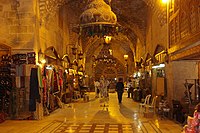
{"x":34,"y":89}
{"x":44,"y":81}
{"x":52,"y":83}
{"x":55,"y":89}
{"x":40,"y":78}
{"x":49,"y":76}
{"x":61,"y":84}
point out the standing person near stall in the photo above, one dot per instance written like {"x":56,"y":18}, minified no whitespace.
{"x":102,"y":85}
{"x":130,"y":88}
{"x":104,"y":93}
{"x":120,"y":89}
{"x":96,"y":85}
{"x":107,"y":83}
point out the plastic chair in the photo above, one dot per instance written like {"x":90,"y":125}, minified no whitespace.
{"x":146,"y":102}
{"x":152,"y":105}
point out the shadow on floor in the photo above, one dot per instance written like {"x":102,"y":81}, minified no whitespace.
{"x":102,"y":116}
{"x":127,"y":113}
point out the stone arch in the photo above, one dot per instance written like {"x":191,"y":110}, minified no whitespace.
{"x":148,"y":56}
{"x":110,"y":72}
{"x":159,"y":54}
{"x":116,"y":70}
{"x":159,"y":48}
{"x":51,"y":52}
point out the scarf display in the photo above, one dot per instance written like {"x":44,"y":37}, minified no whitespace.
{"x":34,"y":89}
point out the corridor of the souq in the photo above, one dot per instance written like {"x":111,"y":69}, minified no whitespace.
{"x":99,"y":66}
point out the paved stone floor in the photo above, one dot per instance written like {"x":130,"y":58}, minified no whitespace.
{"x":94,"y":117}
{"x":60,"y":127}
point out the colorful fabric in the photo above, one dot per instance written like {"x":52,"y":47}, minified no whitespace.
{"x":40,"y":77}
{"x":55,"y":89}
{"x":44,"y":81}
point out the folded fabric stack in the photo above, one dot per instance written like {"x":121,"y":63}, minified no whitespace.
{"x":31,"y":57}
{"x":19,"y":59}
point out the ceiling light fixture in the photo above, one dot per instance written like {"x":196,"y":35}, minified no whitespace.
{"x":97,"y":20}
{"x":105,"y":56}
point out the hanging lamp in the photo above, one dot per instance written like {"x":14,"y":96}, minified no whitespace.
{"x":97,"y":20}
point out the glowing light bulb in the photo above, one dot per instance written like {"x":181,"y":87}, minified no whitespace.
{"x":165,"y":1}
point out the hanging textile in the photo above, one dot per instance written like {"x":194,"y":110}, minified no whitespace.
{"x":34,"y":89}
{"x":56,"y":89}
{"x":49,"y":76}
{"x":61,"y":80}
{"x":40,"y":77}
{"x":52,"y":82}
{"x":44,"y":81}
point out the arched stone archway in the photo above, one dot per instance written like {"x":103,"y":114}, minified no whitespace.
{"x":110,"y":73}
{"x":159,"y":48}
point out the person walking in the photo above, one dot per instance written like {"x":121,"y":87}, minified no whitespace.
{"x":120,"y":89}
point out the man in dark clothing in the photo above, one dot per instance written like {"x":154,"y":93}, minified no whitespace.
{"x":120,"y":89}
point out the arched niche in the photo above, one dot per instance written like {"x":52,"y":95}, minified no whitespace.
{"x":160,"y":54}
{"x":159,"y":48}
{"x":52,"y":56}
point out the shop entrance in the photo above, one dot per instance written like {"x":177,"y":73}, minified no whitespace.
{"x":5,"y":81}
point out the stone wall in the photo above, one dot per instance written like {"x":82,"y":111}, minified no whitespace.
{"x":156,"y":34}
{"x":24,"y":29}
{"x":17,"y":24}
{"x":140,"y":51}
{"x":182,"y":70}
{"x":56,"y":30}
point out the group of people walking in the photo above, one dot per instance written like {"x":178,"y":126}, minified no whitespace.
{"x":101,"y":88}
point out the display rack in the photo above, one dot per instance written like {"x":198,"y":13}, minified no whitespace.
{"x":7,"y":82}
{"x":192,"y":92}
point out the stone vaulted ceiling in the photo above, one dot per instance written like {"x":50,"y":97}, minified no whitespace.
{"x":131,"y":15}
